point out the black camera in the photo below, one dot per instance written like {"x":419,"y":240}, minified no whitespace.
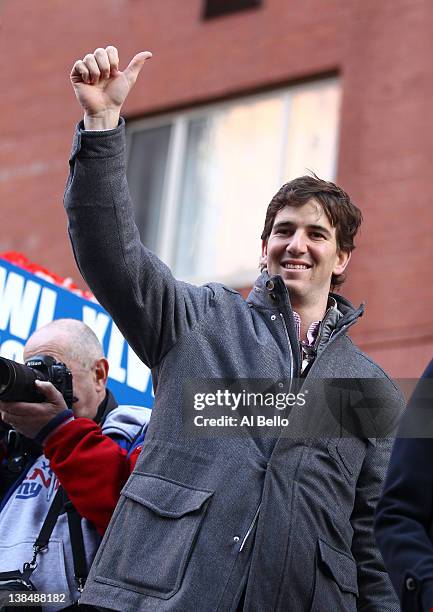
{"x":17,"y":381}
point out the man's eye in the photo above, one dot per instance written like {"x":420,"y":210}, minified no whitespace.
{"x":317,"y":235}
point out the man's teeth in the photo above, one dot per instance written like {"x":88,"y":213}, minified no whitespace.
{"x":295,"y":267}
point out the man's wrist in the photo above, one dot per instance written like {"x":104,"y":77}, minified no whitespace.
{"x":108,"y":120}
{"x":54,"y":423}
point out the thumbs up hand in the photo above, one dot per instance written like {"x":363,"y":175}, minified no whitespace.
{"x":101,"y":88}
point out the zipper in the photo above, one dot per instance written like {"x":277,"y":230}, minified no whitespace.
{"x":290,"y":349}
{"x":311,"y":352}
{"x":250,"y":528}
{"x":332,"y":337}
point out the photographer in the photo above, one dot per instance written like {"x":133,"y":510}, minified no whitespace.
{"x":33,"y":485}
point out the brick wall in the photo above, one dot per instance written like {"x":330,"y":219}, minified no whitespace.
{"x":382,"y":51}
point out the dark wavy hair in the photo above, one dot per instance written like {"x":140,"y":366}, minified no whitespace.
{"x":341,"y":212}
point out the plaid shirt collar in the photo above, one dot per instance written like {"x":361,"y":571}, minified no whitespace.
{"x":313,"y":328}
{"x":312,"y":331}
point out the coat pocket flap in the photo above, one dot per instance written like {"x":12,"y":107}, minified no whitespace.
{"x":164,"y":497}
{"x":341,"y":567}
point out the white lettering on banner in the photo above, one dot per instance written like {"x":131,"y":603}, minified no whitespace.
{"x":115,"y":354}
{"x":97,"y":321}
{"x":12,"y":349}
{"x":47,"y":307}
{"x":26,"y":305}
{"x":18,"y":303}
{"x":138,"y":374}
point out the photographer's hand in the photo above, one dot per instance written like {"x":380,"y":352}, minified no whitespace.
{"x":101,"y":88}
{"x":29,"y":418}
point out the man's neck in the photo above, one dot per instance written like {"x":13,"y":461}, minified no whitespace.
{"x":310,"y":314}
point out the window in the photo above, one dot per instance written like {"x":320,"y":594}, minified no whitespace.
{"x":201,"y":180}
{"x":215,"y":8}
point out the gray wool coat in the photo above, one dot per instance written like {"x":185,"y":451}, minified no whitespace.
{"x":285,"y":520}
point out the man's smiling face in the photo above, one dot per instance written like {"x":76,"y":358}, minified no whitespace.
{"x":302,"y":248}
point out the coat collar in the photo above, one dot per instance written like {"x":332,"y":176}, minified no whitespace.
{"x":108,"y":404}
{"x":270,"y":292}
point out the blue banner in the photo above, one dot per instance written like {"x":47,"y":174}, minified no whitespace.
{"x":27,"y":302}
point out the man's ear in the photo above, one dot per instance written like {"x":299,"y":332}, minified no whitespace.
{"x":343,"y":258}
{"x":263,"y":262}
{"x":101,"y":371}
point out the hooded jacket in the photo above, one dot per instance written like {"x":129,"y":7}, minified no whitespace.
{"x":284,"y":519}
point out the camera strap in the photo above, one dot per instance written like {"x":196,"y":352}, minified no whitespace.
{"x":77,"y":543}
{"x":49,"y":523}
{"x":62,"y":503}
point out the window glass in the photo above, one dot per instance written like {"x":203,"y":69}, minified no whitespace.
{"x":202,"y":179}
{"x":215,"y":8}
{"x":231,"y":169}
{"x":313,"y":130}
{"x":147,"y":162}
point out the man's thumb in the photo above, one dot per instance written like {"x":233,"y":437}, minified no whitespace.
{"x":48,"y":389}
{"x":135,"y":65}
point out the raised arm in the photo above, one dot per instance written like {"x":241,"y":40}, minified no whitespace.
{"x":150,"y":307}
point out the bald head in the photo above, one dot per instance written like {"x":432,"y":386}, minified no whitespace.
{"x":74,"y":344}
{"x":77,"y":341}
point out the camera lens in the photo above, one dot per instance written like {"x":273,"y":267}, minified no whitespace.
{"x":6,"y":375}
{"x":17,"y":382}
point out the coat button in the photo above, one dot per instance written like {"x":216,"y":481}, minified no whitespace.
{"x":410,"y":584}
{"x":269,"y":285}
{"x":273,"y":317}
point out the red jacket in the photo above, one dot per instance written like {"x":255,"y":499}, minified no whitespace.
{"x":91,"y":467}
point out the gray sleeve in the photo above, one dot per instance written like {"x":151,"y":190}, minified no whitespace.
{"x":376,"y":593}
{"x":151,"y":308}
